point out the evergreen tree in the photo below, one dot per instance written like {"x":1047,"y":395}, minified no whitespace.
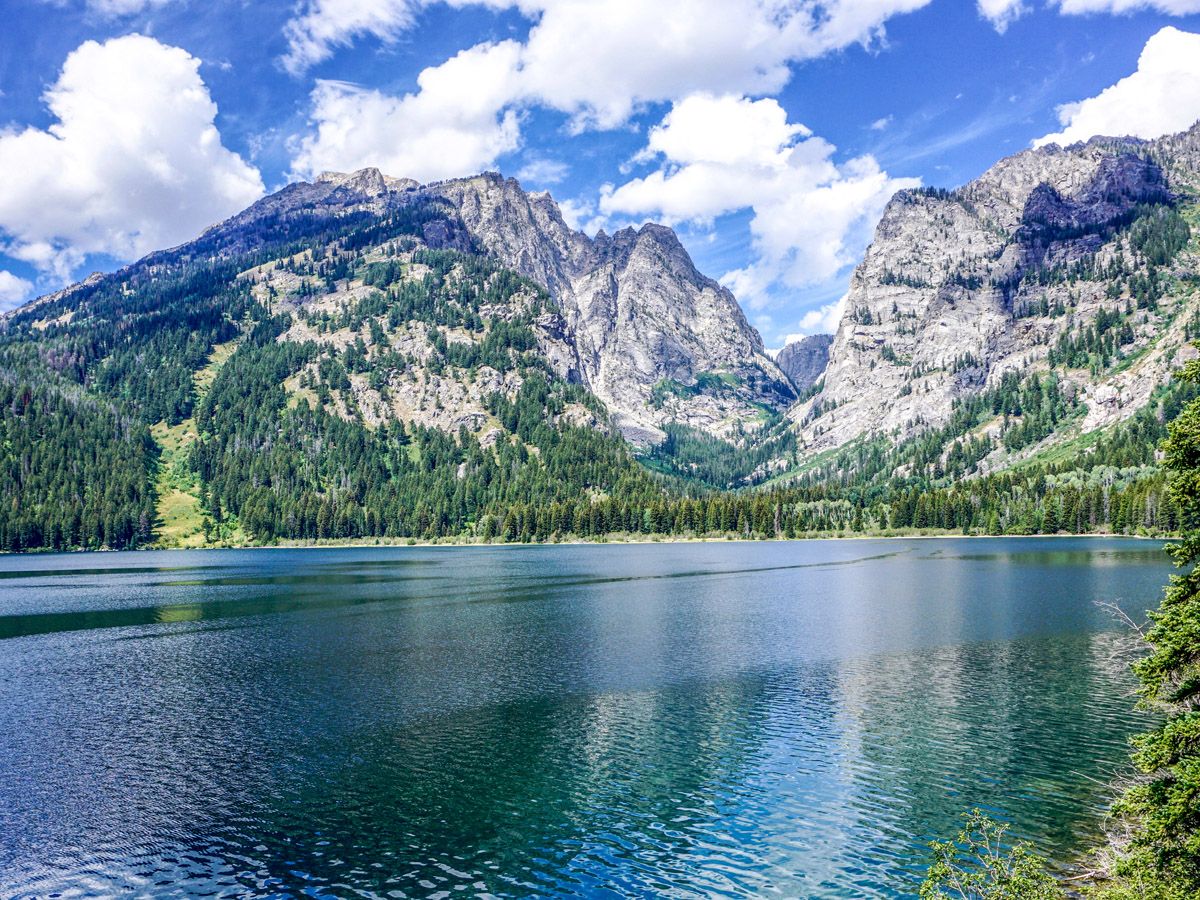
{"x":1163,"y":806}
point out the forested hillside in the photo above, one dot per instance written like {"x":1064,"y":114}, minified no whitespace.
{"x":280,"y":445}
{"x":364,"y":358}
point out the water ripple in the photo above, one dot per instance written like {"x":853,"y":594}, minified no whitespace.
{"x":792,"y":719}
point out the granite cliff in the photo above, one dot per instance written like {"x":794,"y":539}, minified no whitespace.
{"x":635,"y":322}
{"x":1075,"y":263}
{"x":804,"y":361}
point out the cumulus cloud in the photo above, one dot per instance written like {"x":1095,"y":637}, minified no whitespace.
{"x":633,"y":49}
{"x":1161,"y":97}
{"x":133,"y":161}
{"x":13,"y":290}
{"x":581,"y":215}
{"x":1001,"y":13}
{"x":812,"y":217}
{"x":635,"y":53}
{"x":638,"y":52}
{"x":454,"y":124}
{"x":823,"y":320}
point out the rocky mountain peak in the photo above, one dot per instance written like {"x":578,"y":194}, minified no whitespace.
{"x":651,"y":336}
{"x":644,"y":322}
{"x":368,"y":182}
{"x":960,"y":287}
{"x":525,"y":232}
{"x":804,"y":360}
{"x":365,"y":181}
{"x":1116,"y":186}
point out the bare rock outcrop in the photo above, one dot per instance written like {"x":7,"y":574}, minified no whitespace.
{"x":960,"y":287}
{"x":804,"y":361}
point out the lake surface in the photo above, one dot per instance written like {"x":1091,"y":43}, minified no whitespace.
{"x":789,"y":718}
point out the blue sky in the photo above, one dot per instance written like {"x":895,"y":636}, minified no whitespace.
{"x":770,"y":133}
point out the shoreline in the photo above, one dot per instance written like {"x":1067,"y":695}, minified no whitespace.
{"x":611,"y":540}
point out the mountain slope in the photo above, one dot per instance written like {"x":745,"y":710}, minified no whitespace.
{"x":1075,"y":267}
{"x":323,"y":365}
{"x":645,"y":324}
{"x":642,"y":327}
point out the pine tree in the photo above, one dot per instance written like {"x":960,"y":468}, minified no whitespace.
{"x":1163,"y":807}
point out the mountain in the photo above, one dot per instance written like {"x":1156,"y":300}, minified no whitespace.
{"x":368,"y":357}
{"x":1046,"y":301}
{"x":640,"y":327}
{"x":654,"y":339}
{"x":804,"y":361}
{"x":363,"y":355}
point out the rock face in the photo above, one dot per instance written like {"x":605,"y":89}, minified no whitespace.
{"x":646,"y":326}
{"x":960,"y":287}
{"x":649,"y":335}
{"x":804,"y":360}
{"x":1011,"y":273}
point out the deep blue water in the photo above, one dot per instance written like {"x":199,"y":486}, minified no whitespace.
{"x":789,"y":718}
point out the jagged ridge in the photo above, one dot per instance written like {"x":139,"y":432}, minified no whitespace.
{"x":1014,"y":273}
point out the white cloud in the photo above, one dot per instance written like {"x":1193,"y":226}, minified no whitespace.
{"x":112,"y":9}
{"x":575,"y":212}
{"x":634,"y":51}
{"x":599,"y":61}
{"x":882,"y":124}
{"x":1118,"y":7}
{"x":13,"y":290}
{"x":543,"y":171}
{"x":581,"y":215}
{"x":321,"y":27}
{"x":811,"y":216}
{"x":1001,"y":13}
{"x":132,"y":163}
{"x":324,"y":25}
{"x":824,"y":320}
{"x":455,"y":124}
{"x":1161,"y":97}
{"x":637,"y":52}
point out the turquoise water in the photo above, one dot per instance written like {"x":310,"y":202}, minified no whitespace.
{"x":738,"y":719}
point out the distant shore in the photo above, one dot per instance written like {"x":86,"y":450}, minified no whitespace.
{"x":650,"y":539}
{"x":617,"y":539}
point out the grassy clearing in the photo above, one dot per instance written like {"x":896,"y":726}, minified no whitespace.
{"x":180,"y":515}
{"x":183,"y":522}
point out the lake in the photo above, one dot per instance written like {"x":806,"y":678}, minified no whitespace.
{"x":699,"y":719}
